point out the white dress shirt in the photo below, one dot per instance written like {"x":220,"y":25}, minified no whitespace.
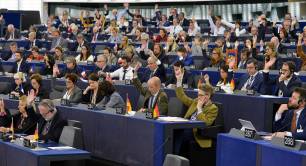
{"x":119,"y":73}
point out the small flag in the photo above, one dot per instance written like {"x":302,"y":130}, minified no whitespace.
{"x":12,"y":129}
{"x":232,"y":85}
{"x":128,"y":104}
{"x":200,"y":82}
{"x":36,"y":133}
{"x":155,"y":112}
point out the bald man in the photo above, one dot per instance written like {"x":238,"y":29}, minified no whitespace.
{"x":155,"y":69}
{"x":153,"y":95}
{"x":12,"y":33}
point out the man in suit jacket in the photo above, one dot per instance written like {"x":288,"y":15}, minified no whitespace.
{"x":71,"y":67}
{"x":252,"y":80}
{"x":183,"y":56}
{"x":183,"y":21}
{"x":51,"y":122}
{"x":21,"y":64}
{"x":10,"y":55}
{"x":153,"y":95}
{"x":12,"y":33}
{"x":57,"y":40}
{"x":100,"y":67}
{"x":187,"y":77}
{"x":32,"y":41}
{"x":290,"y":119}
{"x":201,"y":109}
{"x":285,"y":82}
{"x":156,"y":69}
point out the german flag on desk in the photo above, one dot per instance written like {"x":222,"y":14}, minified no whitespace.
{"x":36,"y":133}
{"x":128,"y":104}
{"x":232,"y":84}
{"x":155,"y":112}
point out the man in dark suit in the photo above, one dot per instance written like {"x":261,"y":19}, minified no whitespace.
{"x":100,"y":67}
{"x":21,"y":65}
{"x":290,"y":119}
{"x":284,"y":83}
{"x":252,"y":80}
{"x":173,"y":15}
{"x":153,"y":95}
{"x":187,"y":79}
{"x":32,"y":41}
{"x":71,"y":67}
{"x":183,"y":21}
{"x":51,"y":123}
{"x":156,"y":69}
{"x":12,"y":33}
{"x":10,"y":55}
{"x":57,"y":40}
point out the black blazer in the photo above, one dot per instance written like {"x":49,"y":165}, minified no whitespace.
{"x":43,"y":93}
{"x":24,"y":67}
{"x":22,"y":89}
{"x":287,"y":90}
{"x":65,"y":71}
{"x":87,"y":98}
{"x":16,"y":34}
{"x":187,"y":79}
{"x":57,"y":124}
{"x":29,"y":124}
{"x":284,"y":124}
{"x":5,"y":119}
{"x":160,"y":73}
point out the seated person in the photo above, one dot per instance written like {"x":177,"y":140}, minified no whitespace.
{"x":71,"y":67}
{"x":5,"y":117}
{"x":125,"y":72}
{"x":270,"y":53}
{"x":216,"y":59}
{"x":290,"y":118}
{"x":184,"y":56}
{"x":58,"y":54}
{"x":19,"y":87}
{"x":85,"y":55}
{"x":93,"y":93}
{"x":35,"y":55}
{"x":72,"y":93}
{"x":21,"y":65}
{"x":252,"y":80}
{"x":36,"y":85}
{"x":50,"y":122}
{"x":187,"y":79}
{"x":25,"y":120}
{"x":201,"y":109}
{"x":12,"y":33}
{"x":244,"y":57}
{"x":153,"y":95}
{"x":156,"y":69}
{"x":112,"y":98}
{"x":115,"y":35}
{"x":49,"y":64}
{"x":100,"y":67}
{"x":284,"y":83}
{"x":111,"y":58}
{"x":11,"y":54}
{"x":80,"y":43}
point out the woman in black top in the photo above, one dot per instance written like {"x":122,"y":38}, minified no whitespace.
{"x":5,"y":117}
{"x":93,"y":93}
{"x":36,"y":85}
{"x":19,"y":87}
{"x":25,"y":120}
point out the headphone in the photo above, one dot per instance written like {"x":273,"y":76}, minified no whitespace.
{"x":46,"y":102}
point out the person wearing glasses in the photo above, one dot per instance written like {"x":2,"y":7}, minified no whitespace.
{"x":72,"y":93}
{"x":285,"y":83}
{"x":101,"y":66}
{"x":110,"y":57}
{"x":19,"y":87}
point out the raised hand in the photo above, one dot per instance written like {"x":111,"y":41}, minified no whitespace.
{"x":206,"y":78}
{"x":31,"y":96}
{"x":270,"y":63}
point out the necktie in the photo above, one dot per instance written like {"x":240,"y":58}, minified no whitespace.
{"x":46,"y":128}
{"x":124,"y":73}
{"x":250,"y":81}
{"x":151,"y":74}
{"x":293,"y":122}
{"x":194,"y":115}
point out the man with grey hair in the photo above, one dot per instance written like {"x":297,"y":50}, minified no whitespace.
{"x":12,"y":33}
{"x":50,"y":120}
{"x":100,"y":67}
{"x":156,"y":69}
{"x":57,"y":39}
{"x":80,"y":42}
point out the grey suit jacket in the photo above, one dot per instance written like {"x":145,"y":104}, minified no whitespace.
{"x":112,"y":101}
{"x":63,"y":43}
{"x":76,"y":95}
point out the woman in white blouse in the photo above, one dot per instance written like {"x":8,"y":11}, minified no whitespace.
{"x":85,"y":55}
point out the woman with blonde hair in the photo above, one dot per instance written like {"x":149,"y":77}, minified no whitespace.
{"x":19,"y":87}
{"x":171,"y":45}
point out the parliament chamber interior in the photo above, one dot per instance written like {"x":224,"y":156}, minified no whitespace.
{"x":152,"y":83}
